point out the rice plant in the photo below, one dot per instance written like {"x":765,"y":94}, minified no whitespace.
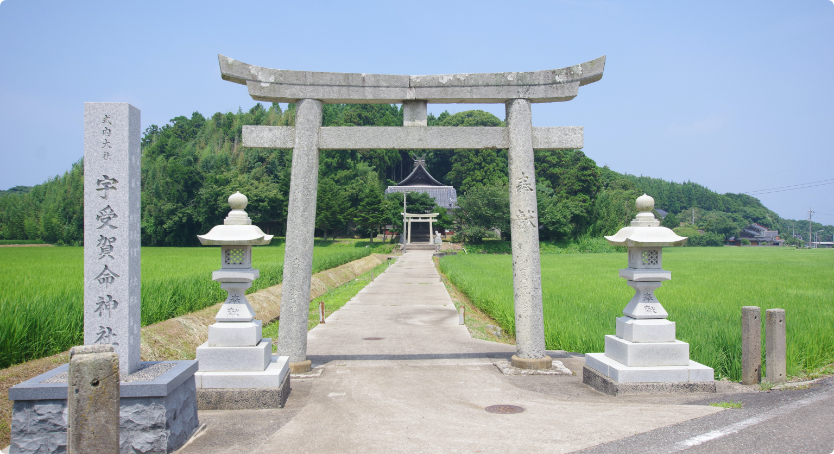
{"x":583,"y":295}
{"x":41,"y":290}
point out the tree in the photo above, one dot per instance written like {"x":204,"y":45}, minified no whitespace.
{"x":613,"y":208}
{"x":465,"y":169}
{"x":481,"y":211}
{"x":670,"y":221}
{"x":371,"y":213}
{"x":420,"y":202}
{"x":572,"y":182}
{"x":331,"y":206}
{"x":191,"y":165}
{"x":561,"y":219}
{"x":471,"y":168}
{"x":721,"y":223}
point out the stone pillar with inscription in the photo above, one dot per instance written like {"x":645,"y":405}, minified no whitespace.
{"x":644,"y":349}
{"x":156,"y":400}
{"x":112,"y":213}
{"x":524,"y":225}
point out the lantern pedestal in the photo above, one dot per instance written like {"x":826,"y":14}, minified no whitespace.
{"x":613,"y":378}
{"x":644,"y":356}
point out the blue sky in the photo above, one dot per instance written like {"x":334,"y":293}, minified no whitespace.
{"x":737,"y":96}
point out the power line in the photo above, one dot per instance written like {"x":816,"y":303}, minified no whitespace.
{"x":792,"y":187}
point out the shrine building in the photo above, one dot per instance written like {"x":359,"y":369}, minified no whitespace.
{"x":419,"y":227}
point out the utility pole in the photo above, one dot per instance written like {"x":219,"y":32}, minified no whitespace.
{"x":693,"y":216}
{"x":810,"y":236}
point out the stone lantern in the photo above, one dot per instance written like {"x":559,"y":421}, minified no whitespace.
{"x":645,"y":350}
{"x":235,"y":355}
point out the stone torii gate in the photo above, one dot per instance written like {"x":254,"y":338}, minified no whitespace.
{"x":309,"y":90}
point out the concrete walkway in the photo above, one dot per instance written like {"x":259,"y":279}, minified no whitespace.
{"x":401,"y":375}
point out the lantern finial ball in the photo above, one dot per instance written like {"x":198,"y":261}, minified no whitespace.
{"x":645,"y":203}
{"x":238,"y":201}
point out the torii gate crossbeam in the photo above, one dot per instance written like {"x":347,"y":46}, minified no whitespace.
{"x":309,"y":90}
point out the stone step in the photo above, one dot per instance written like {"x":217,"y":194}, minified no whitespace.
{"x":647,"y":354}
{"x":421,"y":247}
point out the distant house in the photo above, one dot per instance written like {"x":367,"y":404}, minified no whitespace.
{"x":757,"y":235}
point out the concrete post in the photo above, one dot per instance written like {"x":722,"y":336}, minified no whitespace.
{"x":775,"y":345}
{"x":751,"y":345}
{"x":524,"y":221}
{"x":415,"y":113}
{"x":93,"y":400}
{"x":431,"y":231}
{"x":409,"y":232}
{"x":301,"y":219}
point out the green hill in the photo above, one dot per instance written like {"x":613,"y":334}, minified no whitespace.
{"x":191,"y":165}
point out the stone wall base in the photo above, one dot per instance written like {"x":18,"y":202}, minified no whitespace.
{"x":147,"y":424}
{"x":606,"y":385}
{"x":243,"y":399}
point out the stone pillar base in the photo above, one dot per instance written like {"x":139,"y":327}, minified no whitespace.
{"x":532,"y":363}
{"x":158,"y":410}
{"x":607,"y":385}
{"x":244,"y":398}
{"x":301,"y":367}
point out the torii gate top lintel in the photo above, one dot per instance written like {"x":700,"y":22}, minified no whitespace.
{"x":279,"y":85}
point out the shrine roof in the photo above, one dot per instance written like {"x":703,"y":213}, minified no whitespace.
{"x":420,"y":176}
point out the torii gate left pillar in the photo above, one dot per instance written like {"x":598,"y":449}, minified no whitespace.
{"x":301,"y":223}
{"x":310,"y":89}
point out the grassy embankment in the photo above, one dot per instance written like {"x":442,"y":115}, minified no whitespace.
{"x":41,"y":289}
{"x":583,"y":295}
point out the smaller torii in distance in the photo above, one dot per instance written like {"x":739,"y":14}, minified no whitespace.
{"x":309,"y":90}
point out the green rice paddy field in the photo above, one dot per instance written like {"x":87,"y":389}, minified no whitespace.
{"x":583,"y":295}
{"x":41,"y":289}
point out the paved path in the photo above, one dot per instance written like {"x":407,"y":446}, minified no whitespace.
{"x":422,"y":386}
{"x":787,"y":421}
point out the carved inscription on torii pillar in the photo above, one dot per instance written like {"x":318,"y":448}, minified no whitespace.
{"x":309,"y":90}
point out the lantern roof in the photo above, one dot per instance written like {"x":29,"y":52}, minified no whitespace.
{"x":237,"y":228}
{"x":645,"y":229}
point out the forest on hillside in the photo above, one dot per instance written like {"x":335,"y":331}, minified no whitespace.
{"x":191,"y":165}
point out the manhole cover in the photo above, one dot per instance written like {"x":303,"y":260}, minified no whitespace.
{"x":504,"y":409}
{"x":372,"y":338}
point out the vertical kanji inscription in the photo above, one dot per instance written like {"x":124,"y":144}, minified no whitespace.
{"x":111,"y":229}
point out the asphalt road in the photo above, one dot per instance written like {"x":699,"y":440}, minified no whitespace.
{"x":786,"y":421}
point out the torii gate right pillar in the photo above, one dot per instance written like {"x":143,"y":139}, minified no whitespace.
{"x":527,"y":276}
